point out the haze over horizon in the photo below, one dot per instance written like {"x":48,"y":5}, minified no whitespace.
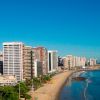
{"x":69,"y":26}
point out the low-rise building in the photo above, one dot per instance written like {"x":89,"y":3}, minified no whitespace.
{"x":7,"y":80}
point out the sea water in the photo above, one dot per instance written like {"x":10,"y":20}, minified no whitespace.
{"x":88,"y":89}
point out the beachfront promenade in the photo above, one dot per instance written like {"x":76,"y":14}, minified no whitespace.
{"x":51,"y":90}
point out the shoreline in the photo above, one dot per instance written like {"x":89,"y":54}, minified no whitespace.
{"x":51,"y":91}
{"x":66,"y":80}
{"x":87,"y":80}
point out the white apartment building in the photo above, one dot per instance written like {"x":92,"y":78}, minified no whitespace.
{"x":92,"y":61}
{"x":13,"y":59}
{"x":74,"y":61}
{"x":83,"y":61}
{"x":52,"y":61}
{"x":80,"y":61}
{"x":38,"y":70}
{"x":69,"y":62}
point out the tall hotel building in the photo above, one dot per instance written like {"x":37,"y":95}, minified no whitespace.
{"x":13,"y":59}
{"x":52,"y":61}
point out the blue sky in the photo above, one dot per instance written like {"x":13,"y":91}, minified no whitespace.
{"x":69,"y":26}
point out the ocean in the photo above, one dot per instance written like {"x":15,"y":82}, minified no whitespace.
{"x":88,"y":89}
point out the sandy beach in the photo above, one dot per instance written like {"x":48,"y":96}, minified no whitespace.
{"x":51,"y":90}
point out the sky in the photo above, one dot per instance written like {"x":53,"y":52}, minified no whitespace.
{"x":69,"y":26}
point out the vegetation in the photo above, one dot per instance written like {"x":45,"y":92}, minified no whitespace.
{"x":8,"y":93}
{"x":23,"y":90}
{"x":45,"y":78}
{"x":12,"y":92}
{"x":37,"y":83}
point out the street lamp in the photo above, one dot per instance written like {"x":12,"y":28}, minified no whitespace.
{"x":19,"y":90}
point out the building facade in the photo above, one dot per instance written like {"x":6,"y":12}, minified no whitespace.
{"x":7,"y":80}
{"x":60,"y":61}
{"x":92,"y":61}
{"x":38,"y":71}
{"x":13,"y":59}
{"x":52,"y":61}
{"x":28,"y":62}
{"x":1,"y":63}
{"x":41,"y":55}
{"x":71,"y":62}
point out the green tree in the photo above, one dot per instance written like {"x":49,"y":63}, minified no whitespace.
{"x":1,"y":92}
{"x":23,"y":90}
{"x":8,"y":93}
{"x":37,"y":82}
{"x":26,"y":96}
{"x":28,"y":82}
{"x":45,"y":78}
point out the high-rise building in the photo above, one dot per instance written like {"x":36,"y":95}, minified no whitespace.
{"x":13,"y":59}
{"x":41,"y":54}
{"x":80,"y":61}
{"x":74,"y":61}
{"x":1,"y":56}
{"x":52,"y":61}
{"x":28,"y":62}
{"x":1,"y":63}
{"x":92,"y":61}
{"x":38,"y":71}
{"x":69,"y":62}
{"x":60,"y":61}
{"x":83,"y":61}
